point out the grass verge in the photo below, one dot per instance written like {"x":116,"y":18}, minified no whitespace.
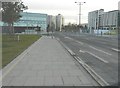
{"x":11,"y":48}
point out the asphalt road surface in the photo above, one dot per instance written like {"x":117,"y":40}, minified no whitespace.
{"x":100,"y":53}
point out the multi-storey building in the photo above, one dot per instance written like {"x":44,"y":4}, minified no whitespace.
{"x":109,"y":20}
{"x":51,"y":21}
{"x":100,"y":20}
{"x":119,"y":5}
{"x":29,"y":21}
{"x":119,"y":16}
{"x":59,"y":22}
{"x":94,"y":20}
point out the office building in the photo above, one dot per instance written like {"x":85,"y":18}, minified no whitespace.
{"x":59,"y":22}
{"x":94,"y":20}
{"x":119,"y":17}
{"x":109,"y":20}
{"x":51,"y":21}
{"x":99,"y":20}
{"x":119,"y":5}
{"x":29,"y":21}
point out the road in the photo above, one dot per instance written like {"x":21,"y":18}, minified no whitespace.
{"x":100,"y":53}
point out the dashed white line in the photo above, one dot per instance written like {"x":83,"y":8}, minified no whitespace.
{"x":69,"y":38}
{"x":79,"y":42}
{"x":99,"y":50}
{"x":75,"y":40}
{"x":81,"y":51}
{"x":103,"y":42}
{"x":98,"y":57}
{"x":115,"y":49}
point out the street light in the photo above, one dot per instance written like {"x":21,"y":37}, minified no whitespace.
{"x":80,"y":3}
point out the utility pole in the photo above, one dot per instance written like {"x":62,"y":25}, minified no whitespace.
{"x":80,"y":3}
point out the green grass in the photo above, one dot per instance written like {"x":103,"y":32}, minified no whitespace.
{"x":11,"y":48}
{"x":112,"y":32}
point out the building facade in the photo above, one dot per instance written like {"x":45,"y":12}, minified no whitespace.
{"x":51,"y":21}
{"x":119,"y":5}
{"x":119,"y":17}
{"x":28,"y":22}
{"x":109,"y":20}
{"x":99,"y":20}
{"x":31,"y":21}
{"x":59,"y":22}
{"x":94,"y":20}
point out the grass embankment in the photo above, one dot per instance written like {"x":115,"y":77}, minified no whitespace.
{"x":11,"y":48}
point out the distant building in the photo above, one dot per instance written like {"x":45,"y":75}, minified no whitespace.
{"x":119,"y":16}
{"x":100,"y":20}
{"x":51,"y":21}
{"x":59,"y":22}
{"x":30,"y":21}
{"x":119,"y":5}
{"x":109,"y":20}
{"x":94,"y":20}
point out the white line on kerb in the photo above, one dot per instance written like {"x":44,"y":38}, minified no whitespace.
{"x":115,"y":49}
{"x":99,"y":50}
{"x":98,"y":57}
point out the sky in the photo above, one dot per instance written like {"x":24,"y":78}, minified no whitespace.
{"x":69,"y":9}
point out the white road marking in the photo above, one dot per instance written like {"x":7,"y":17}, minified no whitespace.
{"x":75,"y":40}
{"x":98,"y":57}
{"x":69,"y":38}
{"x":81,"y":51}
{"x":79,"y":42}
{"x":99,"y":50}
{"x":115,"y":49}
{"x":92,"y":72}
{"x":103,"y":42}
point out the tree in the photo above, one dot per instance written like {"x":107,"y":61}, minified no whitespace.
{"x":11,"y":13}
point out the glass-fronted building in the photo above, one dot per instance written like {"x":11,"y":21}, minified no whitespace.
{"x":30,"y":21}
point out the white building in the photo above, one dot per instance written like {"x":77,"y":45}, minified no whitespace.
{"x":59,"y":22}
{"x":51,"y":21}
{"x":109,"y":20}
{"x":94,"y":20}
{"x":119,"y":5}
{"x":118,"y":16}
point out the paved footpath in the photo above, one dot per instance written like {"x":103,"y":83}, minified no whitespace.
{"x":45,"y":63}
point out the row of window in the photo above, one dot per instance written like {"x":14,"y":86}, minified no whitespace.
{"x":33,"y":18}
{"x":31,"y":22}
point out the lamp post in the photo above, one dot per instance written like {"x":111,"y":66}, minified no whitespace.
{"x":80,"y":3}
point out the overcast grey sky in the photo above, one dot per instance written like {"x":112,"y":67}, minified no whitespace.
{"x":68,"y":8}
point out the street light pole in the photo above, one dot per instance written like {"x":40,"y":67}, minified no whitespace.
{"x":80,"y":3}
{"x":80,"y":13}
